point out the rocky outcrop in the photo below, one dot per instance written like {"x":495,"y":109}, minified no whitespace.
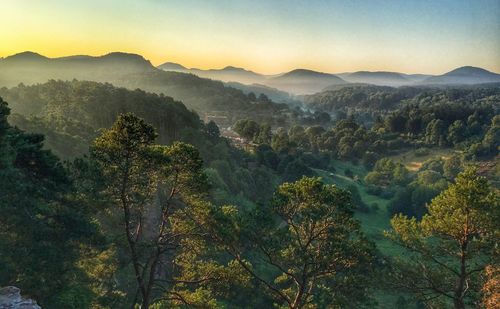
{"x":10,"y":298}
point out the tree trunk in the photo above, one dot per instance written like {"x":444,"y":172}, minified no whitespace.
{"x":459,"y":287}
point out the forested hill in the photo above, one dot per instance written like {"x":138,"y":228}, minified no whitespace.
{"x":70,"y":113}
{"x":130,"y":71}
{"x":369,"y":97}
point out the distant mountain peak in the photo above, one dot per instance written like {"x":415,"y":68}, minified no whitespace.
{"x":469,"y":70}
{"x":465,"y":75}
{"x":26,"y":55}
{"x":307,"y":73}
{"x":124,"y":56}
{"x":172,"y":66}
{"x":232,"y":68}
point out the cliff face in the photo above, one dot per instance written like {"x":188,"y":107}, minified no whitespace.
{"x":10,"y":298}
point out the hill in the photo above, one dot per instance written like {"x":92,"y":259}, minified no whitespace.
{"x":464,"y":75}
{"x":171,"y":66}
{"x":71,"y":113}
{"x":302,"y":81}
{"x":227,"y":74}
{"x":133,"y":71}
{"x":363,"y":98}
{"x":31,"y":68}
{"x":377,"y":78}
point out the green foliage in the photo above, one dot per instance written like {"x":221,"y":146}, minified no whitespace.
{"x":310,"y":241}
{"x":246,"y":128}
{"x":77,"y":109}
{"x":386,"y":173}
{"x":280,"y":140}
{"x":43,"y":222}
{"x":161,"y":192}
{"x":449,"y":248}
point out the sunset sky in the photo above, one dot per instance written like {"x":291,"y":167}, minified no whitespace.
{"x":267,"y":36}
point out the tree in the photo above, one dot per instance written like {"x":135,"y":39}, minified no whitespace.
{"x":280,"y":140}
{"x":491,"y":288}
{"x":155,"y":187}
{"x":491,"y":140}
{"x":212,"y":130}
{"x":295,"y":170}
{"x":434,"y":132}
{"x":246,"y":128}
{"x":265,"y":135}
{"x":310,"y":240}
{"x":451,"y":245}
{"x":452,"y":166}
{"x":386,"y":172}
{"x":298,"y":136}
{"x":456,"y":132}
{"x":124,"y":153}
{"x":43,"y":224}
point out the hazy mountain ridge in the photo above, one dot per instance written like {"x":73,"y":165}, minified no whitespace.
{"x":123,"y":70}
{"x":226,"y":74}
{"x":464,"y":75}
{"x":304,"y":81}
{"x":31,"y":68}
{"x":134,"y":71}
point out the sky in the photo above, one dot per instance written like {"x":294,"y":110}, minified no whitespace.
{"x":267,"y":36}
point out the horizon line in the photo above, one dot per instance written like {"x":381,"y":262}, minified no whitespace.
{"x":237,"y":67}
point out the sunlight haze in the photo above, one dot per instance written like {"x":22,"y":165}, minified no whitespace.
{"x":264,"y":36}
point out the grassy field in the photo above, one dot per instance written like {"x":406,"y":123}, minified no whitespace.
{"x":414,"y":162}
{"x":374,"y":223}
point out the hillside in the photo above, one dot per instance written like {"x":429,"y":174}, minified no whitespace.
{"x":131,"y":71}
{"x":369,"y":98}
{"x":274,"y":94}
{"x":71,"y":113}
{"x":358,"y":96}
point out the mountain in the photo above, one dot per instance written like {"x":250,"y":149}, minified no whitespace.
{"x":30,"y":68}
{"x":227,"y":74}
{"x":464,"y":75}
{"x":377,"y":78}
{"x":205,"y":96}
{"x":25,"y":56}
{"x":172,"y":66}
{"x":302,"y":81}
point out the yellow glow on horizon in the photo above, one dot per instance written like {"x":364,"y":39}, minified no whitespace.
{"x":202,"y":41}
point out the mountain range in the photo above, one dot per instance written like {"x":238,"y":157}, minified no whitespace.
{"x":132,"y":70}
{"x":303,"y":81}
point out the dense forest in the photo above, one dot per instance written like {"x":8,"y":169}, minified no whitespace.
{"x":356,"y":197}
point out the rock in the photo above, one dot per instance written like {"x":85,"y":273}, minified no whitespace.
{"x":10,"y":298}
